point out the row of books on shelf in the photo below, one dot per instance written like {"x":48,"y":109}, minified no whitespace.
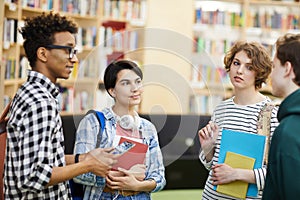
{"x":82,"y":7}
{"x":71,"y":101}
{"x":75,"y":101}
{"x":86,"y":37}
{"x":118,"y":39}
{"x":218,"y":17}
{"x":252,"y":18}
{"x":216,"y":46}
{"x":204,"y":104}
{"x":11,"y":68}
{"x":128,"y":10}
{"x":274,"y":20}
{"x":92,"y":66}
{"x":86,"y":68}
{"x":10,"y":32}
{"x":220,"y":46}
{"x":207,"y":74}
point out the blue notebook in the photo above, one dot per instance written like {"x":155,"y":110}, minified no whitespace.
{"x":247,"y":144}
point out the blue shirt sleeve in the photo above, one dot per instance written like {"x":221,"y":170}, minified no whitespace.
{"x":86,"y":140}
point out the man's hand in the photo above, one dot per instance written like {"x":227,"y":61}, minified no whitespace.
{"x":100,"y":161}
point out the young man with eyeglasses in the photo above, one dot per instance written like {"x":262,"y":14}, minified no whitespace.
{"x":36,"y":166}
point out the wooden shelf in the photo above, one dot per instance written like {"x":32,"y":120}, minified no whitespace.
{"x":8,"y":82}
{"x":11,"y":10}
{"x":275,"y":3}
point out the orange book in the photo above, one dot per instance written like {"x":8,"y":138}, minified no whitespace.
{"x":134,"y":156}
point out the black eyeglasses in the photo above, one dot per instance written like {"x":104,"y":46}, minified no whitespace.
{"x":72,"y":51}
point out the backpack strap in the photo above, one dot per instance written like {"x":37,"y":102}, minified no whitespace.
{"x":101,"y":120}
{"x":264,"y":126}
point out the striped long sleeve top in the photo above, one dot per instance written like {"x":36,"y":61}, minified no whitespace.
{"x":228,"y":115}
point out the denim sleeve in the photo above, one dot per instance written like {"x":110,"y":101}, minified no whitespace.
{"x":86,"y":140}
{"x":155,"y":166}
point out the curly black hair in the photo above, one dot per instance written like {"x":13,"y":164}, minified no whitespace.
{"x":39,"y":31}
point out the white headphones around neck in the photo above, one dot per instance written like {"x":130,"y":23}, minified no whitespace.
{"x":128,"y":122}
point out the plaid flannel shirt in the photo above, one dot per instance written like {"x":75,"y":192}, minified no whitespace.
{"x":35,"y":142}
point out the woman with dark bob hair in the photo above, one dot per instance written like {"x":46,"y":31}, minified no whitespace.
{"x":123,"y":82}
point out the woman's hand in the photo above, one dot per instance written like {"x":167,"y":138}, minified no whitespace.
{"x":207,"y":136}
{"x":223,"y":173}
{"x":122,"y":180}
{"x":138,"y":171}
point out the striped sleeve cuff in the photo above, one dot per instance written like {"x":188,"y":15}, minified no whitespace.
{"x":260,"y":177}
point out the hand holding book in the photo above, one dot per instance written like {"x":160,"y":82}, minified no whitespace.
{"x":236,"y":188}
{"x":135,"y":155}
{"x":246,"y":144}
{"x":138,"y":171}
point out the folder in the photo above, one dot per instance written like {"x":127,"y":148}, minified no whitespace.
{"x":236,"y":189}
{"x":134,"y":156}
{"x":247,"y":144}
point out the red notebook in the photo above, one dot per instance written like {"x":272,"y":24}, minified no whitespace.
{"x":134,"y":156}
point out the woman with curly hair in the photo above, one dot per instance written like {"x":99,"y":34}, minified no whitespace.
{"x":249,"y":66}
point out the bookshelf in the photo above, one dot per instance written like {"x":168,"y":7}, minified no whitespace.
{"x":14,"y":63}
{"x":217,"y":25}
{"x":121,"y":36}
{"x":179,"y":49}
{"x":104,"y":26}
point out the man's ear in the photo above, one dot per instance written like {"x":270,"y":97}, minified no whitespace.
{"x":289,"y":71}
{"x":41,"y":54}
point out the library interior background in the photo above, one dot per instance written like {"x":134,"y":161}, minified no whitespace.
{"x":179,"y":45}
